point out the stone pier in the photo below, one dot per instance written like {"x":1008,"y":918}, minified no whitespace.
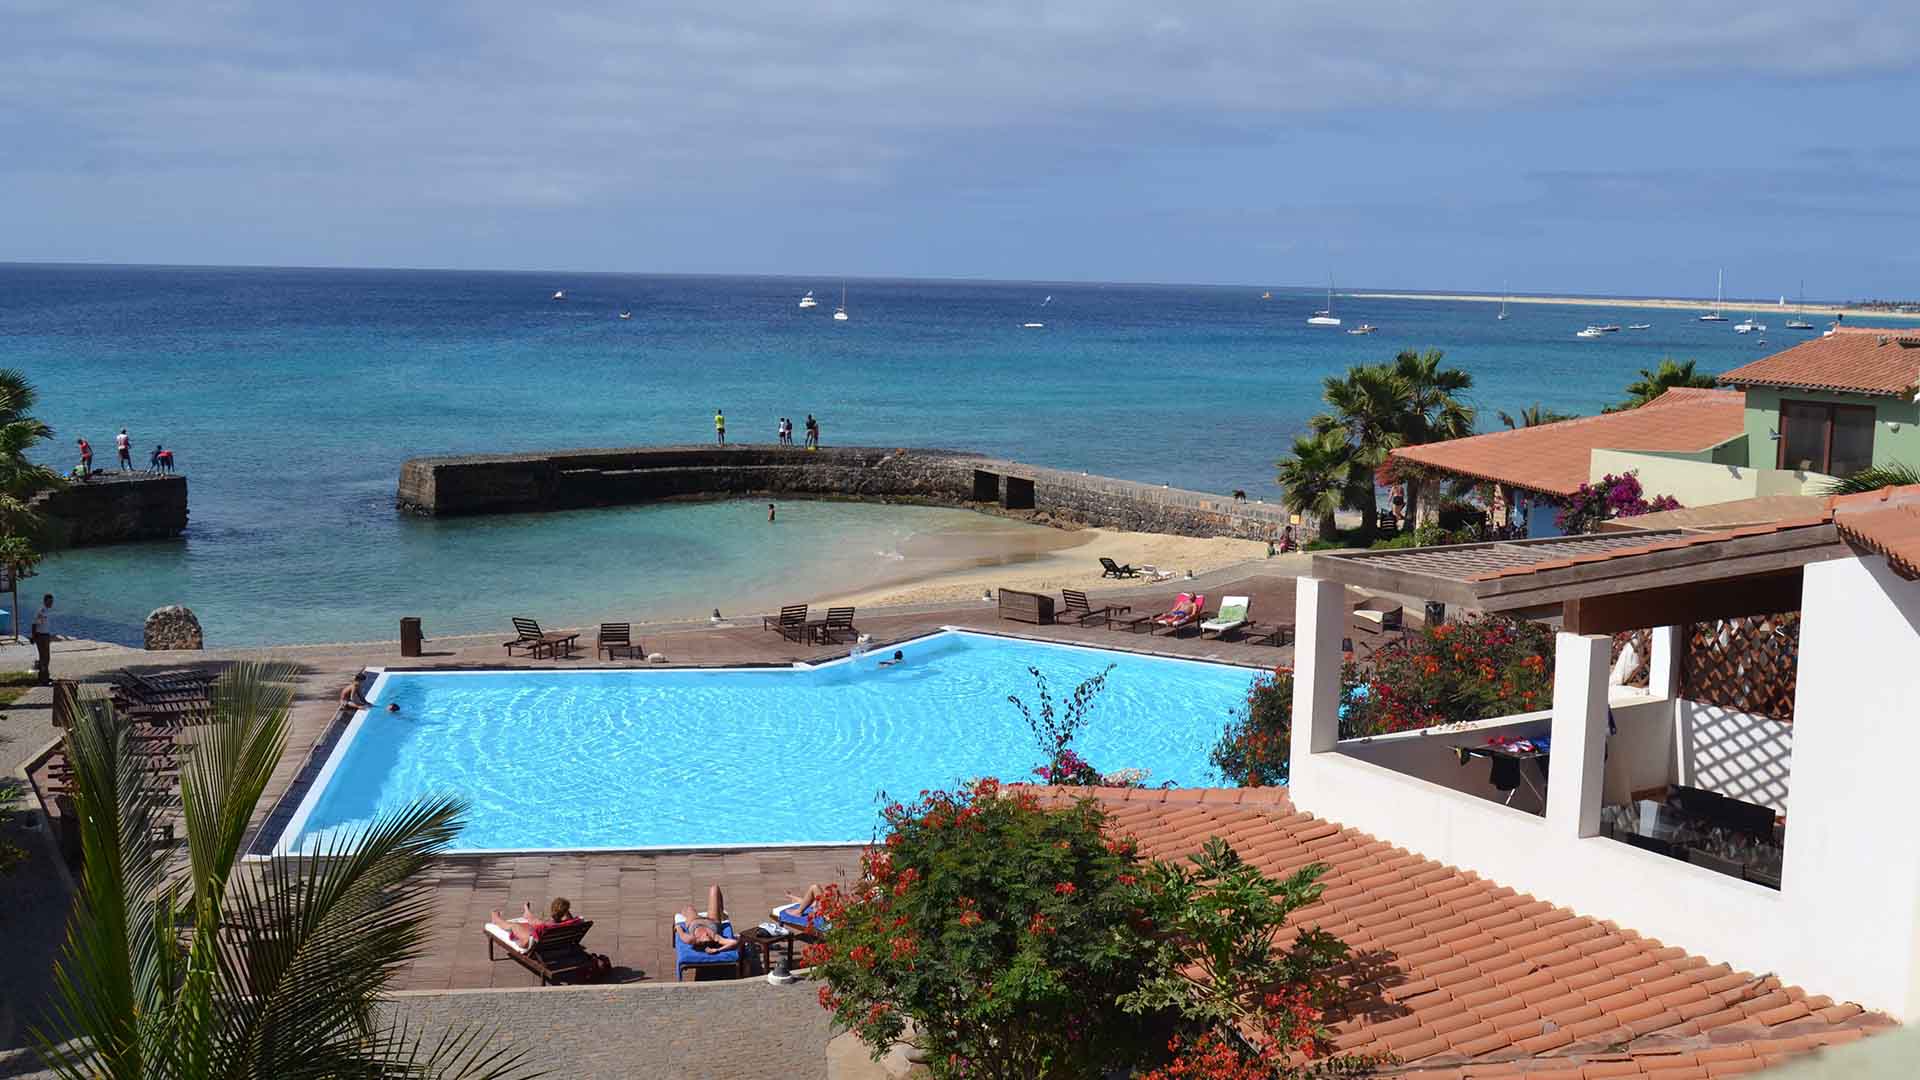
{"x":573,"y":479}
{"x":113,"y":507}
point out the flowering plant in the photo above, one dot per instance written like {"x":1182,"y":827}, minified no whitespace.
{"x":1607,"y":498}
{"x":1053,"y":729}
{"x":1254,"y":750}
{"x":1067,"y":769}
{"x":1468,"y":669}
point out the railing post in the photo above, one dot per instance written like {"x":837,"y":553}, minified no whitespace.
{"x":1663,"y":666}
{"x":1577,"y":768}
{"x":1320,"y":623}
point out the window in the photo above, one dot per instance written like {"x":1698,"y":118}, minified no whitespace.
{"x":1832,"y":439}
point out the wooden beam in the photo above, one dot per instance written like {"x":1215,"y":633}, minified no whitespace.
{"x":1705,"y":601}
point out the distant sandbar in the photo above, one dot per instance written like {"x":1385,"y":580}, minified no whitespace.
{"x":1649,"y":302}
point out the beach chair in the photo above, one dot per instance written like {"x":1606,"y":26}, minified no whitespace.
{"x":686,"y":956}
{"x":1076,"y":608}
{"x":616,"y":638}
{"x":1379,"y":613}
{"x":555,"y":955}
{"x":1109,"y":568}
{"x":789,"y":917}
{"x":1232,"y":616}
{"x":534,"y":641}
{"x":791,"y":622}
{"x":839,"y":621}
{"x":1185,"y":612}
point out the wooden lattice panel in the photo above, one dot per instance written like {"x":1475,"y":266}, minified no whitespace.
{"x":1642,"y":641}
{"x":1749,"y":664}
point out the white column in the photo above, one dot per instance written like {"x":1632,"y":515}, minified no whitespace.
{"x":1663,"y":668}
{"x":1577,"y":768}
{"x":1320,"y":624}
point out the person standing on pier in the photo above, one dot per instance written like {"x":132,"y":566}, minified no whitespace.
{"x":86,"y":458}
{"x":42,"y":636}
{"x":719,"y":427}
{"x":124,"y":443}
{"x":813,"y":433}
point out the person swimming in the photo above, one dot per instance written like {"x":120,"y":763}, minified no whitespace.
{"x":897,"y":658}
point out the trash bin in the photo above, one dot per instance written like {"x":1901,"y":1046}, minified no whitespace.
{"x":410,"y":638}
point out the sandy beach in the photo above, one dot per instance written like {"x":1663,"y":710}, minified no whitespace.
{"x":1862,"y":314}
{"x":960,"y":566}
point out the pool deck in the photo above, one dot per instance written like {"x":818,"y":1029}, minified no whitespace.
{"x":631,"y":897}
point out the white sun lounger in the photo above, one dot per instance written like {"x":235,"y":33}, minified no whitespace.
{"x":1233,"y":616}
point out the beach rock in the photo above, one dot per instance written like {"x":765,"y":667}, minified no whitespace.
{"x":174,"y":627}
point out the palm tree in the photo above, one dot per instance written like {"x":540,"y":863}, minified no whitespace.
{"x":1533,"y":416}
{"x":183,"y":967}
{"x":1367,"y":404}
{"x":1896,"y":474}
{"x":1434,"y":411}
{"x":21,"y":528}
{"x":1317,"y":480}
{"x":1670,"y":373}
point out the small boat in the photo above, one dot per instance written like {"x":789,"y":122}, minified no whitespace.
{"x":808,"y":301}
{"x":1266,"y":296}
{"x":1503,"y":316}
{"x":1032,"y":325}
{"x":1363,"y":328}
{"x":1325,"y":316}
{"x":1609,"y":328}
{"x":840,"y":313}
{"x":1590,"y":332}
{"x":1719,"y":291}
{"x":1799,"y":324}
{"x":1799,"y":321}
{"x":626,"y":314}
{"x":1640,"y":326}
{"x":559,"y":294}
{"x":1749,"y":326}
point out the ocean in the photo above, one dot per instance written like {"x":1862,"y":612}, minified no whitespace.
{"x":290,"y":397}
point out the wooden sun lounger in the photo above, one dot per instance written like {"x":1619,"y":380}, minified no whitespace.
{"x":1109,"y":568}
{"x":1075,"y":607}
{"x":534,"y":640}
{"x":839,"y":621}
{"x":791,"y":622}
{"x":616,"y":638}
{"x":555,"y":955}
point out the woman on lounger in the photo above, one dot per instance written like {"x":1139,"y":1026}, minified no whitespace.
{"x":527,"y":929}
{"x":703,"y":931}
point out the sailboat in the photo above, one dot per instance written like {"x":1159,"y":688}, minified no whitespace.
{"x":559,"y":294}
{"x":1503,"y":316}
{"x":1719,"y":289}
{"x":840,"y":313}
{"x":808,"y":301}
{"x":1799,"y":320}
{"x":1266,"y":296}
{"x":1325,"y":316}
{"x":624,"y":314}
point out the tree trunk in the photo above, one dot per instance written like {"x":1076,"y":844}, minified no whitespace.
{"x":1327,"y":527}
{"x":1413,"y":503}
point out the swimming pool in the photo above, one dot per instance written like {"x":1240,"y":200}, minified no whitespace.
{"x":598,"y":759}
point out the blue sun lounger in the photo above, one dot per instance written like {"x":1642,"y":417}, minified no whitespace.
{"x":686,"y":956}
{"x":789,"y":915}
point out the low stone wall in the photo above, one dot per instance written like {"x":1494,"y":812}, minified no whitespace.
{"x":572,"y":479}
{"x":115,"y":507}
{"x":744,"y":1030}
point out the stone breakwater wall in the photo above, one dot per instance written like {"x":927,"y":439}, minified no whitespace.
{"x":114,"y":507}
{"x":573,"y":479}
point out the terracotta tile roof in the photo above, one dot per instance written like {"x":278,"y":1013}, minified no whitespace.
{"x":1885,"y":522}
{"x":1553,"y":458}
{"x":1851,"y":359}
{"x":1461,"y":977}
{"x":1666,"y":542}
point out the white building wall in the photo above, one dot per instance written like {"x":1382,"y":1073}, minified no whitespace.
{"x":1701,"y":483}
{"x":1846,"y":921}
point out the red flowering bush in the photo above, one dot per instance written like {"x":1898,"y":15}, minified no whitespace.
{"x":1254,"y":750}
{"x":1022,"y":941}
{"x":1469,"y":669}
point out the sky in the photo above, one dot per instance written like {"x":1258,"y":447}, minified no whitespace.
{"x":1614,"y":146}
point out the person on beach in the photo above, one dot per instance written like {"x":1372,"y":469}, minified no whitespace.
{"x":813,"y":433}
{"x":42,"y":636}
{"x":527,"y":928}
{"x":703,"y":931}
{"x":769,"y":513}
{"x":719,"y":427}
{"x":124,"y":443}
{"x":86,"y":458}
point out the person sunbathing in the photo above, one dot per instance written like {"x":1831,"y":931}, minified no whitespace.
{"x":1181,"y":611}
{"x":806,"y":903}
{"x":703,"y":931}
{"x":527,"y":928}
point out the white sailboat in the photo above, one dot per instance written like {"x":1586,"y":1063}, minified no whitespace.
{"x":1719,"y":290}
{"x":1325,"y":316}
{"x":559,"y":294}
{"x":1799,"y":320}
{"x":1363,"y":328}
{"x":1749,"y":326}
{"x":808,"y":301}
{"x":1503,"y":316}
{"x":626,"y":314}
{"x":840,"y":313}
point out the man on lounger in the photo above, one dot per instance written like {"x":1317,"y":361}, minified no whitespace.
{"x":703,"y":931}
{"x":527,"y":928}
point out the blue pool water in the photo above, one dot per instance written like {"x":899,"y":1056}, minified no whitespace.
{"x":688,"y":758}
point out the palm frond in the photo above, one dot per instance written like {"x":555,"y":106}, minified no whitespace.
{"x":1894,"y":474}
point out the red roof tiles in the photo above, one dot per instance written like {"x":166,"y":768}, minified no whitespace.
{"x":1885,"y":522}
{"x":1461,"y":977}
{"x":1851,"y":359}
{"x":1554,"y":458}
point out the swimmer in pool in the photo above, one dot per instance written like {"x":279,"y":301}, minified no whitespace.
{"x":896,"y":659}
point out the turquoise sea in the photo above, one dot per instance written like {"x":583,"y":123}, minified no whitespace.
{"x":291,"y":396}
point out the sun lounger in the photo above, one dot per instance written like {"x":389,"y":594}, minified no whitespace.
{"x":791,"y":622}
{"x":615,"y":639}
{"x":1185,"y":612}
{"x":1379,"y":613}
{"x":788,"y":916}
{"x":1154,"y":573}
{"x":1109,"y":568}
{"x":686,"y":956}
{"x":837,"y":624}
{"x":534,"y":641}
{"x":1077,"y":609}
{"x":555,"y":955}
{"x":1232,"y":616}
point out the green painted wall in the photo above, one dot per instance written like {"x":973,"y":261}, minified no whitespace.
{"x":1896,"y":429}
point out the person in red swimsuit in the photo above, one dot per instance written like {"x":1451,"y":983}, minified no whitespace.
{"x":527,"y":929}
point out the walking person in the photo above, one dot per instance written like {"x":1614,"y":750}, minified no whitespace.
{"x":42,"y":636}
{"x":124,"y":444}
{"x":719,"y":427}
{"x":86,"y":458}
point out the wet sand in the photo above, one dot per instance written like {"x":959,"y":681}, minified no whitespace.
{"x":1864,"y":315}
